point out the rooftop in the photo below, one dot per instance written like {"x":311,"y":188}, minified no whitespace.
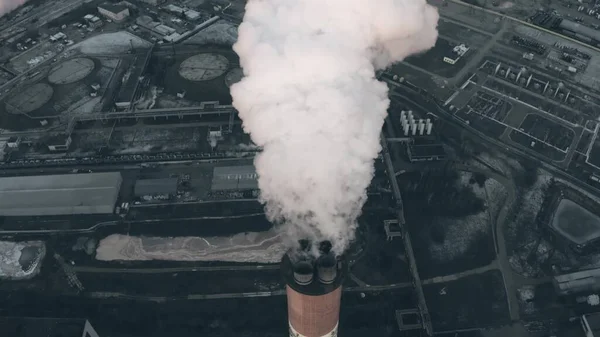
{"x":234,"y":178}
{"x":129,"y":88}
{"x":46,"y":327}
{"x":113,"y":8}
{"x":87,"y":193}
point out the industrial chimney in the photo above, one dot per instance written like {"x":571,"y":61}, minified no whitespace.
{"x":314,"y":290}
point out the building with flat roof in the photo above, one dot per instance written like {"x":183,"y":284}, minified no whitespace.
{"x":425,"y":149}
{"x":153,"y":2}
{"x":234,"y":178}
{"x":585,"y":281}
{"x":165,"y":186}
{"x":46,"y":327}
{"x":114,"y":12}
{"x":65,"y":194}
{"x":59,"y":142}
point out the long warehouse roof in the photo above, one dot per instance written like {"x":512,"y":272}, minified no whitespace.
{"x":234,"y":178}
{"x":88,"y":193}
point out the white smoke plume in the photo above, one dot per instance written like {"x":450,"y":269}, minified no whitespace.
{"x":8,"y":5}
{"x":310,"y":99}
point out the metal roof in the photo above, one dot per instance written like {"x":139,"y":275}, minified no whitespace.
{"x":580,"y":29}
{"x":87,"y":193}
{"x":35,"y":327}
{"x":234,"y":178}
{"x":115,"y":9}
{"x":155,"y":186}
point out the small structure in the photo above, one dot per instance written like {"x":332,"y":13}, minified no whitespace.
{"x":152,"y":187}
{"x":116,"y":13}
{"x":153,"y":2}
{"x":95,"y":86}
{"x":174,"y":9}
{"x":59,"y":142}
{"x":457,"y":52}
{"x":92,"y":21}
{"x":192,"y":15}
{"x":409,"y":319}
{"x":164,"y":30}
{"x":591,"y":324}
{"x":392,"y":229}
{"x":95,"y":22}
{"x":13,"y":142}
{"x":58,"y":36}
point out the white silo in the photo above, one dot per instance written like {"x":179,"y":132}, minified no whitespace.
{"x":421,"y":127}
{"x":429,"y":126}
{"x":406,"y":128}
{"x":414,"y":128}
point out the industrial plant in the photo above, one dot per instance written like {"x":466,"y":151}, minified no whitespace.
{"x":449,"y":185}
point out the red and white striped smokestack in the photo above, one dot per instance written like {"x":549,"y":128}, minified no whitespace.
{"x":314,"y":292}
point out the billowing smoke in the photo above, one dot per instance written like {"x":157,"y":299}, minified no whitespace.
{"x":310,"y":99}
{"x":8,"y":5}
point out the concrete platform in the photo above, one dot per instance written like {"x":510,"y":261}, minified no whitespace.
{"x":575,"y":222}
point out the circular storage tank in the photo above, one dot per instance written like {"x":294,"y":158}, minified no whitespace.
{"x":203,"y":67}
{"x":303,"y":272}
{"x":327,"y":268}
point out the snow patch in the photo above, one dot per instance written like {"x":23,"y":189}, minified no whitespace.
{"x":251,"y":247}
{"x":15,"y":264}
{"x":109,"y":43}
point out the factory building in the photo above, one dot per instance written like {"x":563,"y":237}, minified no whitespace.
{"x":580,"y":32}
{"x":234,"y":178}
{"x":314,"y":290}
{"x":59,"y":142}
{"x":153,"y":2}
{"x":116,"y":13}
{"x":457,"y":52}
{"x":131,"y":82}
{"x":46,"y":326}
{"x":423,"y":150}
{"x":585,"y":281}
{"x":165,"y":186}
{"x":65,"y":194}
